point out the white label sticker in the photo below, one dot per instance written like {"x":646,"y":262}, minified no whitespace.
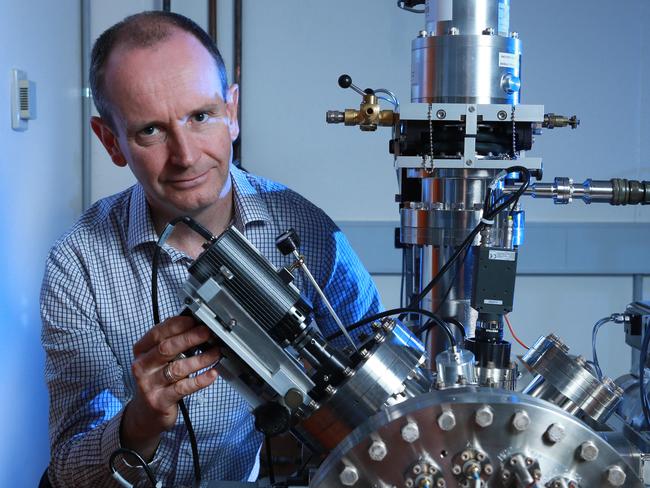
{"x":502,"y":255}
{"x":493,"y":302}
{"x":508,"y":60}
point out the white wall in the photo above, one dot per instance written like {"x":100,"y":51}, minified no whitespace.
{"x":40,"y":198}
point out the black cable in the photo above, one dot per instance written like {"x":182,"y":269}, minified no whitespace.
{"x":488,"y":214}
{"x":269,"y":458}
{"x":438,"y":321}
{"x":206,"y":234}
{"x":141,"y":461}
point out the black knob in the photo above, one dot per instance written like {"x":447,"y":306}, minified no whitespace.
{"x":345,"y":81}
{"x":288,"y":242}
{"x":272,"y":419}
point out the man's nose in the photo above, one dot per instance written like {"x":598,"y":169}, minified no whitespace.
{"x":183,"y":151}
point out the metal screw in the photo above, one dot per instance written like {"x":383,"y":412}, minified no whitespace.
{"x":410,"y":432}
{"x":488,"y":469}
{"x":349,"y":476}
{"x":423,"y":33}
{"x":484,"y":416}
{"x":555,"y":433}
{"x":456,"y":469}
{"x":377,"y":450}
{"x":441,"y":114}
{"x":441,"y":483}
{"x":364,"y":353}
{"x":447,"y":420}
{"x":408,"y":482}
{"x":330,"y":390}
{"x":520,"y":420}
{"x":465,"y":455}
{"x":581,"y":361}
{"x":453,"y":31}
{"x":616,"y":476}
{"x":417,"y":469}
{"x":469,"y":162}
{"x":588,"y":451}
{"x":514,"y":35}
{"x":488,"y":31}
{"x":502,"y":115}
{"x":232,"y":322}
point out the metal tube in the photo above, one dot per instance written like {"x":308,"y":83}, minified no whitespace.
{"x":336,"y":318}
{"x":237,"y":75}
{"x":212,"y":20}
{"x":86,"y":106}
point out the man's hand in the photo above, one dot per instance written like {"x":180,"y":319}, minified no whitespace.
{"x":154,"y":408}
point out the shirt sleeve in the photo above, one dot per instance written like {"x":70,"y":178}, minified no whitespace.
{"x":85,"y":381}
{"x":348,"y":286}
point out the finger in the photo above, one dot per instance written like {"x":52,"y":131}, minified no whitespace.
{"x":148,"y":364}
{"x":159,"y":332}
{"x":192,"y":385}
{"x":172,"y":346}
{"x":182,"y":368}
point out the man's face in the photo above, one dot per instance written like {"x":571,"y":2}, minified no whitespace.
{"x":171,"y":124}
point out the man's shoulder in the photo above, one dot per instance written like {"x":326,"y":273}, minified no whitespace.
{"x":104,"y":220}
{"x":284,"y":202}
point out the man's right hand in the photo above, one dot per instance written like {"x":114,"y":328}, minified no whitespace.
{"x":154,"y":408}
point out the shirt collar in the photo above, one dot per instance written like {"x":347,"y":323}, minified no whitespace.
{"x":140,"y":227}
{"x":249,"y":207}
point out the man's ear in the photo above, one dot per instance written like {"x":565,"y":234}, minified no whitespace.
{"x":105,"y":134}
{"x":232,"y":99}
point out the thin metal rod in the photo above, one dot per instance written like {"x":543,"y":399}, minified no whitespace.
{"x":167,"y":5}
{"x":637,"y":288}
{"x":301,"y":261}
{"x":212,"y":20}
{"x":237,"y":73}
{"x":86,"y":106}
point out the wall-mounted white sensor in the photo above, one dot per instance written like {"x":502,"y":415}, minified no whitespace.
{"x":23,"y":100}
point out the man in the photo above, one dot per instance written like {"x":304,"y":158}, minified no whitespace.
{"x":167,"y":112}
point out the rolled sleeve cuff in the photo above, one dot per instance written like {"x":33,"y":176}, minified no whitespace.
{"x":110,"y":442}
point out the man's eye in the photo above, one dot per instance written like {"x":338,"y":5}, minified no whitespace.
{"x":201,"y":117}
{"x":152,"y":130}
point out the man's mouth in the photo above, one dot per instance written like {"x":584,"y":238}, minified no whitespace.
{"x":188,"y":181}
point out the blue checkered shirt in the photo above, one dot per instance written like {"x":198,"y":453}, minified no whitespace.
{"x":96,"y":303}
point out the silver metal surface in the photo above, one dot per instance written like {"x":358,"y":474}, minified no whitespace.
{"x":505,"y":378}
{"x":497,"y":442}
{"x":469,"y":16}
{"x":464,"y":69}
{"x":455,"y":368}
{"x":255,"y":351}
{"x":463,"y":60}
{"x":566,"y":381}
